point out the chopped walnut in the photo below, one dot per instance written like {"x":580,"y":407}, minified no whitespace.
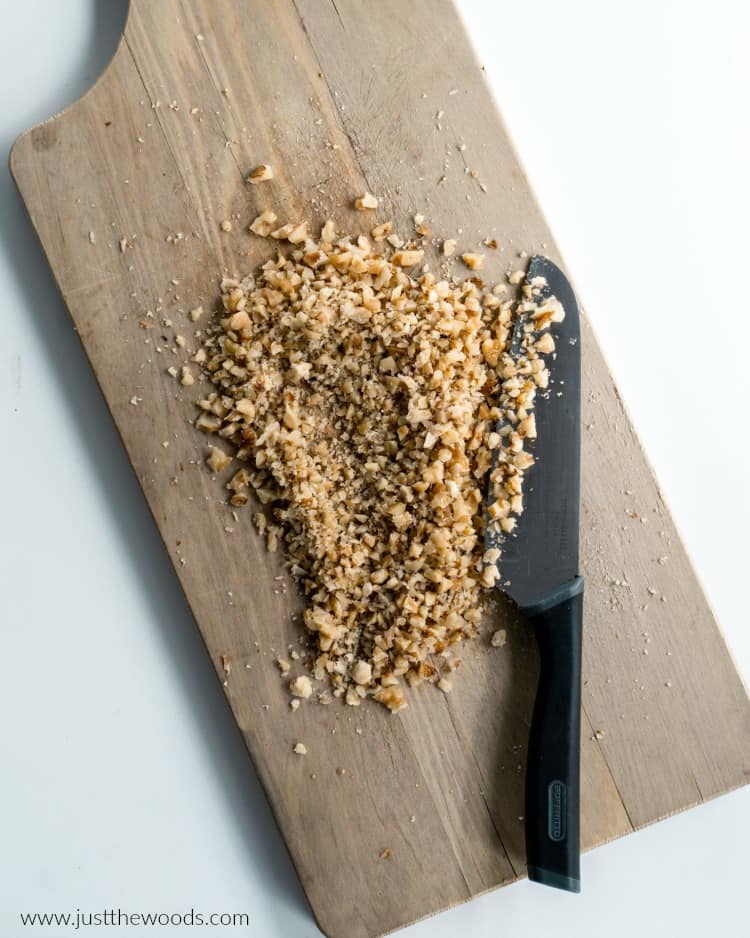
{"x":226,"y":225}
{"x":381,"y":232}
{"x":300,"y":749}
{"x":372,"y":409}
{"x":499,"y":638}
{"x":473,"y":261}
{"x":365,"y":202}
{"x":217,"y":459}
{"x":407,"y":258}
{"x":362,"y":672}
{"x":419,"y":226}
{"x":301,"y":687}
{"x":391,"y":696}
{"x":545,"y":343}
{"x":264,"y":223}
{"x":449,"y":247}
{"x":297,"y":234}
{"x":261,"y":173}
{"x":352,"y":698}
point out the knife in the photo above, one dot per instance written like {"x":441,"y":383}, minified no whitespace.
{"x":539,"y":570}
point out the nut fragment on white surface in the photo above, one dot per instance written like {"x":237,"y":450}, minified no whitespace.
{"x":449,"y":247}
{"x":365,"y":202}
{"x":261,"y":173}
{"x":300,"y":749}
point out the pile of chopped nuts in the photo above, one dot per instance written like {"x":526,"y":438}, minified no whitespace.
{"x":364,"y":402}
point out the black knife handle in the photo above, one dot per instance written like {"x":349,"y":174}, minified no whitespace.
{"x":553,"y":767}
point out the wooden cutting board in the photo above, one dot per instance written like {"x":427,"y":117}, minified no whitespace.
{"x":341,"y":97}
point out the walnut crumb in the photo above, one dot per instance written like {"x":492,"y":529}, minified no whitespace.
{"x":264,"y":223}
{"x":301,"y":687}
{"x":362,"y":402}
{"x":381,"y":232}
{"x":365,"y":202}
{"x":217,"y":459}
{"x":473,"y":261}
{"x":260,"y":174}
{"x":499,"y":638}
{"x":300,"y":749}
{"x":407,"y":258}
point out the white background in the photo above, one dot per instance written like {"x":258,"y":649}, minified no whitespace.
{"x":124,"y":781}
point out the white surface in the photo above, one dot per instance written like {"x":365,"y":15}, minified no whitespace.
{"x":124,"y":782}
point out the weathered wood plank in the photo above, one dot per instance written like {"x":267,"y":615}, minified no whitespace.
{"x":341,"y":98}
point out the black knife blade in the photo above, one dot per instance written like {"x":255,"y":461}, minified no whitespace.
{"x":539,"y":569}
{"x":542,"y":553}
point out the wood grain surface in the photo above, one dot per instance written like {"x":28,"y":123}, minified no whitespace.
{"x":338,"y":97}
